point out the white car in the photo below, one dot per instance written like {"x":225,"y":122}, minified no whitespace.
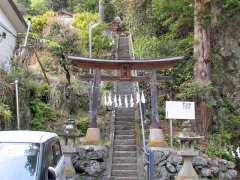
{"x":30,"y":155}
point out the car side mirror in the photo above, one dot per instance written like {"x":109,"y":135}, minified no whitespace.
{"x":52,"y":173}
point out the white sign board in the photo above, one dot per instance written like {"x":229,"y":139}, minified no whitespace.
{"x":180,"y":110}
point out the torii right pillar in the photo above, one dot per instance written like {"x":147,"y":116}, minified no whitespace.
{"x":156,"y":137}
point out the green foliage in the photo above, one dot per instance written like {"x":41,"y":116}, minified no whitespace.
{"x":219,"y":146}
{"x":37,"y":90}
{"x":194,"y":90}
{"x":227,"y":119}
{"x":42,"y":113}
{"x":84,"y":5}
{"x":63,"y":41}
{"x":57,"y":4}
{"x":165,"y":45}
{"x":228,"y":9}
{"x":24,"y":6}
{"x":35,"y":95}
{"x":84,"y":126}
{"x":108,"y":86}
{"x":5,"y":112}
{"x":174,"y":16}
{"x":82,"y":20}
{"x":151,"y":46}
{"x":38,"y":6}
{"x":100,"y":41}
{"x":38,"y":22}
{"x":109,"y":11}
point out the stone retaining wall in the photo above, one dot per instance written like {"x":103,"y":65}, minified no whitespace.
{"x":167,"y":164}
{"x":90,"y":162}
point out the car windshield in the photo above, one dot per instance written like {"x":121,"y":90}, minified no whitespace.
{"x":18,"y":161}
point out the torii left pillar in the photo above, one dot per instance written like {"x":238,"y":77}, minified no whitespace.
{"x":93,"y":132}
{"x":156,"y":134}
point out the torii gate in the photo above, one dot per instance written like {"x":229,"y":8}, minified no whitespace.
{"x":125,"y":67}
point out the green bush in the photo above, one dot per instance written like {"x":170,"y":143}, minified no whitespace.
{"x":36,"y":89}
{"x":38,"y":22}
{"x":219,"y":146}
{"x":41,"y":113}
{"x":82,"y":20}
{"x":84,"y":5}
{"x":109,"y":11}
{"x":84,"y":126}
{"x":100,"y":41}
{"x":38,"y":6}
{"x":5,"y":112}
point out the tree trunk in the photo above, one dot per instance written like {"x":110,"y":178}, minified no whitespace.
{"x":202,"y":54}
{"x":202,"y":50}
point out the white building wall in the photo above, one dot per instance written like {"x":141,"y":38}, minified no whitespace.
{"x":7,"y":45}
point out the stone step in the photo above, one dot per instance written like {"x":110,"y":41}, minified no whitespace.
{"x":124,"y":116}
{"x":125,"y":154}
{"x":125,"y":136}
{"x":124,"y":173}
{"x":124,"y":53}
{"x":124,"y":166}
{"x":125,"y":120}
{"x":125,"y":123}
{"x":124,"y":160}
{"x":124,"y":142}
{"x":124,"y":178}
{"x":125,"y":127}
{"x":124,"y":148}
{"x":125,"y":88}
{"x":124,"y":132}
{"x":125,"y":111}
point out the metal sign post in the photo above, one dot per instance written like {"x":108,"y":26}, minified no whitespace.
{"x":17,"y":104}
{"x":179,"y":110}
{"x":171,"y":132}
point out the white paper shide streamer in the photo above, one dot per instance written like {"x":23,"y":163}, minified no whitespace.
{"x":143,"y":100}
{"x":115,"y":101}
{"x":131,"y":101}
{"x":119,"y":101}
{"x":105,"y":100}
{"x":126,"y":101}
{"x":110,"y":99}
{"x":138,"y":98}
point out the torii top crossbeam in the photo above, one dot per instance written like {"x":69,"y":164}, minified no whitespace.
{"x":146,"y":64}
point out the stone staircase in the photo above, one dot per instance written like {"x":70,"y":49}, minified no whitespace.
{"x":124,"y":157}
{"x":124,"y":161}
